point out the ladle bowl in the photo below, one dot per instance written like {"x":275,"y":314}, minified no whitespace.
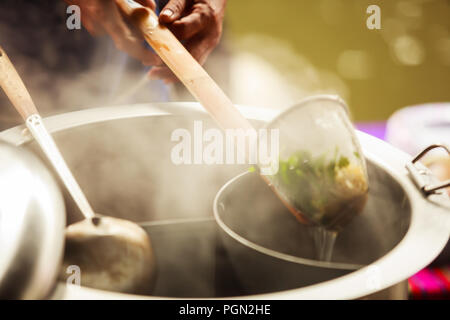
{"x":128,"y":246}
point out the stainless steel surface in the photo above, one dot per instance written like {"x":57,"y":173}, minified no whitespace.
{"x":153,"y":189}
{"x":247,"y":212}
{"x":32,"y":220}
{"x":207,"y":271}
{"x":423,"y":176}
{"x":44,"y":139}
{"x":252,"y":217}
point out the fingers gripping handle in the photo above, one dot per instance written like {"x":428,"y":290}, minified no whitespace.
{"x":184,"y":66}
{"x":144,"y":18}
{"x":14,"y":88}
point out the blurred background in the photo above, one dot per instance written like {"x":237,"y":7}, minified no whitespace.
{"x":294,"y":48}
{"x":272,"y":54}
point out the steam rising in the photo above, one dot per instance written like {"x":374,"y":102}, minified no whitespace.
{"x":125,"y":169}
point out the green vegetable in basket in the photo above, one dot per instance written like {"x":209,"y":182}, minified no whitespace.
{"x":326,"y":192}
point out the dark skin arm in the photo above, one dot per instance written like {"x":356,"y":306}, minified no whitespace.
{"x":198,"y":23}
{"x":101,"y":17}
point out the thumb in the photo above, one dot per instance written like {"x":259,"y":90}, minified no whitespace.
{"x":172,"y":11}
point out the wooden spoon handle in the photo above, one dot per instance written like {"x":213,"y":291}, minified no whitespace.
{"x":185,"y":67}
{"x":14,"y":88}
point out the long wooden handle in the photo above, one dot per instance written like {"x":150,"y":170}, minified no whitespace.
{"x":193,"y":76}
{"x":185,"y":67}
{"x":14,"y":88}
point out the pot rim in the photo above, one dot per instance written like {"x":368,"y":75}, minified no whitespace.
{"x":427,"y":235}
{"x":265,"y":250}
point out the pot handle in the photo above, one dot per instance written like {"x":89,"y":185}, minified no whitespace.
{"x":421,"y":175}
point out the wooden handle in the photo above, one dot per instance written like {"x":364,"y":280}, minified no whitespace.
{"x":185,"y":67}
{"x":193,"y":76}
{"x":14,"y":88}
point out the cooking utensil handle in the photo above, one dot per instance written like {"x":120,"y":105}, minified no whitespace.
{"x":36,"y":126}
{"x":185,"y":67}
{"x":18,"y":94}
{"x":192,"y":74}
{"x":14,"y":87}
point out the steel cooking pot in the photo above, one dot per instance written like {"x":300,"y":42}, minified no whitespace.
{"x":32,"y":221}
{"x":122,"y":161}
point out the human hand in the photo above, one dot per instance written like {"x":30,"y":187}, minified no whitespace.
{"x":104,"y":17}
{"x":197,"y":23}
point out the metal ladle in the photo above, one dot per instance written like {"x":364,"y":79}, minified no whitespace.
{"x":112,"y":254}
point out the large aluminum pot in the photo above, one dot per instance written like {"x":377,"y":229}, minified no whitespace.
{"x":32,"y":221}
{"x":121,"y":157}
{"x":252,"y":217}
